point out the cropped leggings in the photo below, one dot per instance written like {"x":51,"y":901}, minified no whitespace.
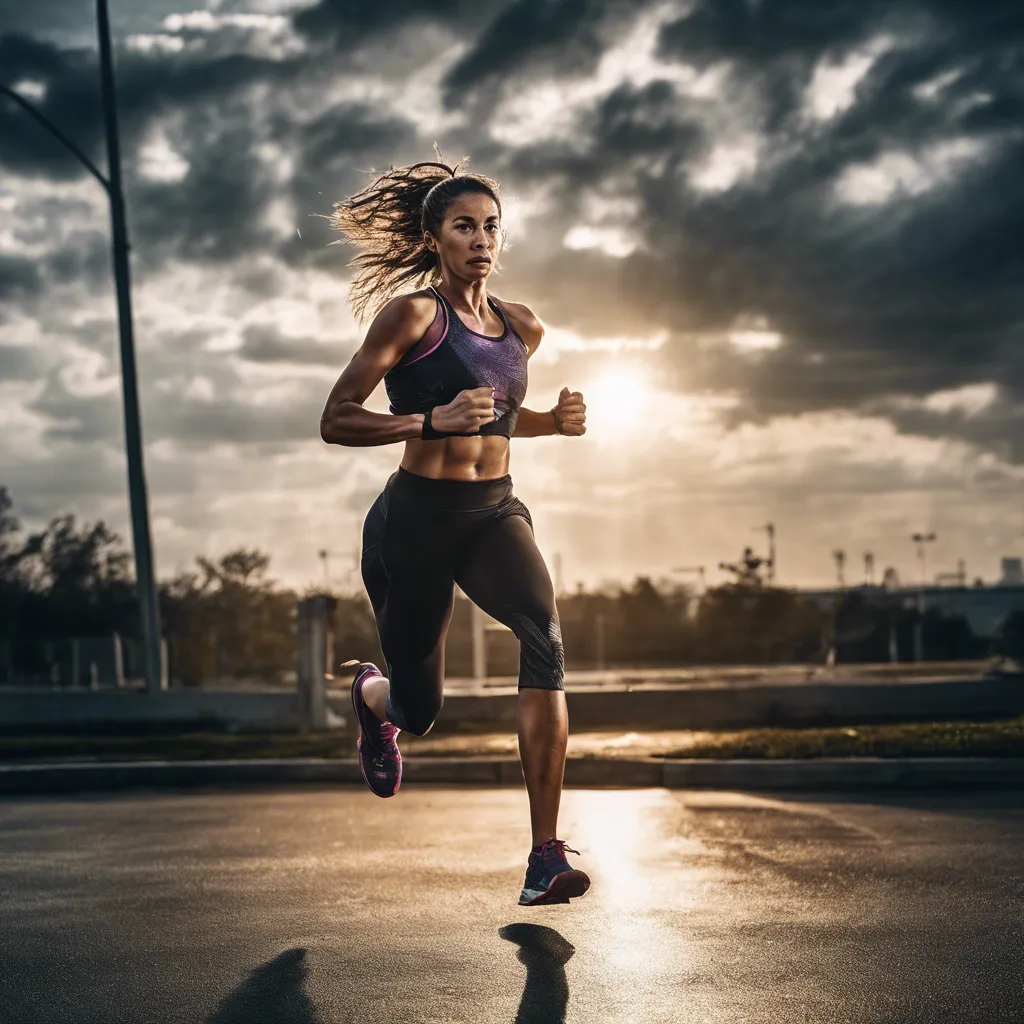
{"x":422,"y":536}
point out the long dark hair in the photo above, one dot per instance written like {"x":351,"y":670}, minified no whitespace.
{"x":387,"y":219}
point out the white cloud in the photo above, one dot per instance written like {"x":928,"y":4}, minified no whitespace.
{"x":159,"y":160}
{"x":755,"y":340}
{"x":549,"y":110}
{"x":150,"y":43}
{"x":209,"y":21}
{"x":971,"y":399}
{"x":727,"y":163}
{"x":30,"y":89}
{"x":560,"y":340}
{"x":904,"y":174}
{"x":833,"y":86}
{"x":613,"y":241}
{"x":929,"y":91}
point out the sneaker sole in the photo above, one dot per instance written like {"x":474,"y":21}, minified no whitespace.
{"x":568,"y":885}
{"x":359,"y":742}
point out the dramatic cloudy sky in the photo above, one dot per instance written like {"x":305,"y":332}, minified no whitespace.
{"x":777,"y":244}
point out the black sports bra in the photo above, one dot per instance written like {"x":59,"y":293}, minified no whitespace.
{"x":450,"y":358}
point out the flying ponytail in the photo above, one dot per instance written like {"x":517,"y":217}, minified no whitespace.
{"x":387,"y":219}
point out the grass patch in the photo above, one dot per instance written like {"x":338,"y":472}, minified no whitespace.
{"x":927,"y":739}
{"x":917,"y":739}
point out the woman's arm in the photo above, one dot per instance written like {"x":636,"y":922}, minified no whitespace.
{"x":395,"y":329}
{"x":569,"y":415}
{"x":535,"y":424}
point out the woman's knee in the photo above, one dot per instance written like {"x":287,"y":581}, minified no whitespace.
{"x":415,"y":717}
{"x":541,"y":654}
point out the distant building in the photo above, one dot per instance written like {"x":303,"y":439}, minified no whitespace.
{"x":1013,"y":573}
{"x":984,"y":607}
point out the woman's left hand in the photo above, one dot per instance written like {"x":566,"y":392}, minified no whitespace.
{"x":570,"y":413}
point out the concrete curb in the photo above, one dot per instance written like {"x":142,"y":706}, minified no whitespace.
{"x":824,"y":774}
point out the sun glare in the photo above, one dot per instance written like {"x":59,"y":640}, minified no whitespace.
{"x":618,"y":400}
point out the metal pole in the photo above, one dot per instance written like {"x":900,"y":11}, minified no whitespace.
{"x":148,"y":605}
{"x":479,"y":638}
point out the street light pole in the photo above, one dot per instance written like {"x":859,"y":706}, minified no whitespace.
{"x":920,"y":539}
{"x":149,"y":607}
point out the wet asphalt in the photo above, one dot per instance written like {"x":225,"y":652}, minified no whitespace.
{"x":322,"y":906}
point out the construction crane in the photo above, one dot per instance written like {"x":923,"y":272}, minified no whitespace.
{"x":840,"y":556}
{"x":921,"y":539}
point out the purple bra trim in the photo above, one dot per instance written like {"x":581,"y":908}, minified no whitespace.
{"x":435,"y":333}
{"x":426,"y":341}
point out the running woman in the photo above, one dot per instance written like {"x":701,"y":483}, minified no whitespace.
{"x":453,"y":360}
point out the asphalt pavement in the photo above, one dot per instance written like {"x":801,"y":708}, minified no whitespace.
{"x":323,"y":906}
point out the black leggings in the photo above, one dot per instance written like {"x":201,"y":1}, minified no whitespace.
{"x":420,"y":537}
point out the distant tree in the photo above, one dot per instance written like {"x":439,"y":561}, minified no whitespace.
{"x":738,"y":624}
{"x":229,"y":620}
{"x":10,"y":549}
{"x":355,"y":631}
{"x":1010,"y":640}
{"x":645,"y":626}
{"x":66,"y":560}
{"x":237,"y":567}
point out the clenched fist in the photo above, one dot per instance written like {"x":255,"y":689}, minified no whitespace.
{"x":466,"y":413}
{"x":570,"y":413}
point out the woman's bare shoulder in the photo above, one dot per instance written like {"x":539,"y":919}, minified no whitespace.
{"x":524,"y":320}
{"x":406,"y":316}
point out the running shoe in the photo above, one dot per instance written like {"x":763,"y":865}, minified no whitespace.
{"x":549,"y":877}
{"x":379,"y":760}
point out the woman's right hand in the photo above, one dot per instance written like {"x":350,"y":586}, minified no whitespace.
{"x":466,"y":413}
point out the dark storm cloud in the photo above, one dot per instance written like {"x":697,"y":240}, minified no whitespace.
{"x":918,"y":293}
{"x":215,"y":213}
{"x":264,"y":343}
{"x":905,"y":296}
{"x":1000,"y":427}
{"x":230,"y":417}
{"x":347,"y":24}
{"x":18,"y":277}
{"x":19,"y":362}
{"x":85,"y":259}
{"x":81,"y":418}
{"x":539,"y":36}
{"x":148,"y":84}
{"x":71,"y":103}
{"x":331,"y":154}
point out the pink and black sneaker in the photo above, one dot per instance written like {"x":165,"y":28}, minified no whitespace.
{"x":379,"y":759}
{"x":550,"y":878}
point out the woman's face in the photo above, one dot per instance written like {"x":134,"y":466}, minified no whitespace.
{"x":470,"y":237}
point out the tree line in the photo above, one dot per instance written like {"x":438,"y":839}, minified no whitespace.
{"x":227,"y":618}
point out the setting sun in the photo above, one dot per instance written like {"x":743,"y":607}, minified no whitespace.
{"x":618,"y":399}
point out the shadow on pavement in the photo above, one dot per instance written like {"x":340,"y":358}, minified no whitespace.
{"x":545,"y":953}
{"x":272,"y":994}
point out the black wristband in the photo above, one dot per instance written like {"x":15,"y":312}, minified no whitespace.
{"x":429,"y":433}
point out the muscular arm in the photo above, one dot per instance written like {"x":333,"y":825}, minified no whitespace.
{"x":394,"y":330}
{"x":534,"y":424}
{"x":530,"y":423}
